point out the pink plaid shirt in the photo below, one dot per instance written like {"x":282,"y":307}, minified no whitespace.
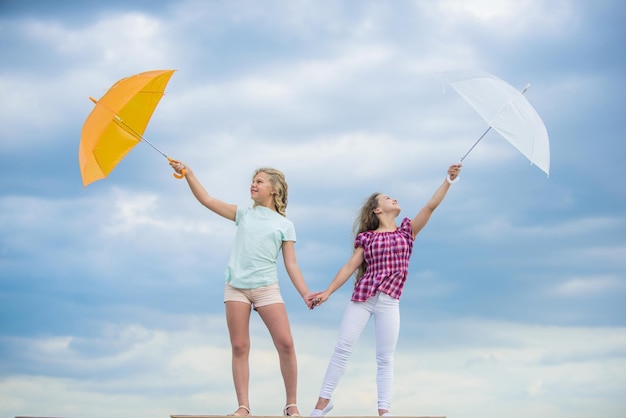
{"x":387,"y":256}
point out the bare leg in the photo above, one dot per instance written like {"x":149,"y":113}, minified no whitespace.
{"x":238,"y":321}
{"x":275,"y":318}
{"x":322,"y":403}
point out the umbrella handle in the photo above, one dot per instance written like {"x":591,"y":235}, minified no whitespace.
{"x":182,"y":172}
{"x":450,"y":181}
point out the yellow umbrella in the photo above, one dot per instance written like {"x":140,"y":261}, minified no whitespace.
{"x":118,"y":122}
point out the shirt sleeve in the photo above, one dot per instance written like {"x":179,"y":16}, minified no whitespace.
{"x":289,"y":231}
{"x":362,"y":239}
{"x":405,"y":227}
{"x":241,"y":211}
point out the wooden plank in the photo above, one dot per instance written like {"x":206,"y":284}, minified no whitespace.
{"x":275,"y":416}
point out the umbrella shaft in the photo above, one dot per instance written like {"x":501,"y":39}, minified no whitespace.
{"x":475,"y":143}
{"x":488,"y":129}
{"x":127,"y":127}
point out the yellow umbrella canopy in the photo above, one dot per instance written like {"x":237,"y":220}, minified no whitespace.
{"x":118,"y":121}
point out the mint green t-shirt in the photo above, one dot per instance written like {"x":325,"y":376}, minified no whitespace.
{"x":259,"y":239}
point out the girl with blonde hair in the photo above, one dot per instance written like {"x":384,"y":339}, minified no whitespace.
{"x":251,"y":276}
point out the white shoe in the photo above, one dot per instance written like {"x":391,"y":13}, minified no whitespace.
{"x":322,"y":412}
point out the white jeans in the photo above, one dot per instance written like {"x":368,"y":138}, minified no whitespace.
{"x":386,"y":313}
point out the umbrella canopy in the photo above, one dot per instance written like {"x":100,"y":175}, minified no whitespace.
{"x":506,"y":110}
{"x":118,"y":121}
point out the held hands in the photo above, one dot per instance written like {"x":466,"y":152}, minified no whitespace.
{"x":316,"y":299}
{"x":310,"y":299}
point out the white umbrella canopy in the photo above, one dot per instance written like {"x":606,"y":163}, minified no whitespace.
{"x":506,"y":110}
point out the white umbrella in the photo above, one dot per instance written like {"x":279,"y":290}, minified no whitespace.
{"x":506,"y":110}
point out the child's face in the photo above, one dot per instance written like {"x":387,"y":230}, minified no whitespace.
{"x":261,"y":189}
{"x":387,"y":204}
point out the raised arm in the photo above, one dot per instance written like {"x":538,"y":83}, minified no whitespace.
{"x":342,"y":275}
{"x":224,"y":209}
{"x":423,"y":216}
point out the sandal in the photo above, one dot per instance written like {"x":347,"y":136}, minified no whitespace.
{"x":287,"y":414}
{"x":237,"y":414}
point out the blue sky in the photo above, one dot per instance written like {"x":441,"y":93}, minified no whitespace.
{"x":111,"y":295}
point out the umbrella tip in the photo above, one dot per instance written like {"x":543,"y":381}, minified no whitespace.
{"x":92,"y":99}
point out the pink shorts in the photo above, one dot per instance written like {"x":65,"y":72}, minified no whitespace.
{"x":261,"y":296}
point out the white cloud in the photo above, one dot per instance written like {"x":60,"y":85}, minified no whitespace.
{"x":588,"y":286}
{"x":131,"y":39}
{"x":131,"y":212}
{"x":515,"y":18}
{"x":499,"y":226}
{"x":346,"y":99}
{"x":516,"y":371}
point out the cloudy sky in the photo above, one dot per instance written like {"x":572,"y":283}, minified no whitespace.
{"x":111,"y":295}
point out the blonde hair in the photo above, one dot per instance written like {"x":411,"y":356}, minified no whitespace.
{"x":279,"y":184}
{"x":366,"y":221}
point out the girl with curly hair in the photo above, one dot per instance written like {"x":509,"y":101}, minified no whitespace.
{"x":251,"y":276}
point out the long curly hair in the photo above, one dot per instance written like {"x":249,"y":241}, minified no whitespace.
{"x":279,"y":184}
{"x":366,"y":221}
